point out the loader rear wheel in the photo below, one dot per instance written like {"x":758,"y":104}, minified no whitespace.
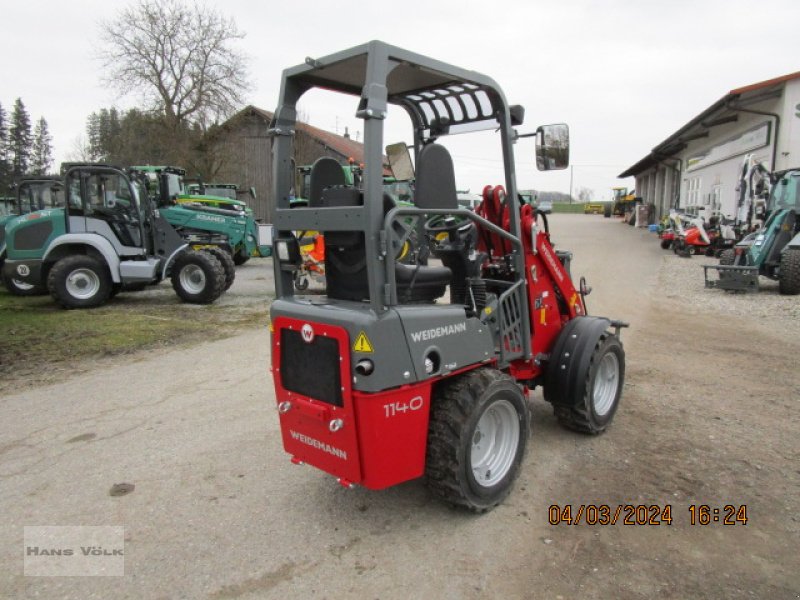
{"x":477,"y":438}
{"x":727,"y":257}
{"x":17,"y":287}
{"x":789,"y":278}
{"x":604,"y":378}
{"x":228,"y":265}
{"x":198,"y":277}
{"x":79,"y":281}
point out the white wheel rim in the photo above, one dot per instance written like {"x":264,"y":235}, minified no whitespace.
{"x":21,"y":285}
{"x":494,"y":443}
{"x":83,"y":284}
{"x":606,"y":383}
{"x":193,"y":279}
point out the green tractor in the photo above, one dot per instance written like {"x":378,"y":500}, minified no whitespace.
{"x":108,"y":237}
{"x":206,"y":219}
{"x":32,"y":194}
{"x":217,"y":195}
{"x":773,"y":251}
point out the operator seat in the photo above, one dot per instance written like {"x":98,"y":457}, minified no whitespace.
{"x":345,"y":254}
{"x":325,"y":172}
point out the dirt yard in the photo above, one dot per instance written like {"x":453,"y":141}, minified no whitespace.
{"x":708,"y":417}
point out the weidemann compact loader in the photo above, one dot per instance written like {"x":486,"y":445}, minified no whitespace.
{"x":398,"y":370}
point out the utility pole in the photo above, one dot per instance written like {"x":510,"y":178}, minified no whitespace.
{"x":571,"y":168}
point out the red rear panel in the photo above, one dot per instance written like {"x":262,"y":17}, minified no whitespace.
{"x":376,"y":440}
{"x":393,"y":433}
{"x":316,"y":361}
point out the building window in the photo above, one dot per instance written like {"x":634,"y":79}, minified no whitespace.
{"x":693,"y":198}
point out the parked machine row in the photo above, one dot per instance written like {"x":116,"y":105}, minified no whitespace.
{"x":99,"y":230}
{"x":761,"y":240}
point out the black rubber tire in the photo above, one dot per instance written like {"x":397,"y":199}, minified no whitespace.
{"x":583,"y":416}
{"x":18,"y":288}
{"x":240,"y":257}
{"x":58,"y":278}
{"x":665,"y":244}
{"x":607,"y":211}
{"x":228,"y":265}
{"x":727,"y":257}
{"x":213,"y":277}
{"x":789,"y":278}
{"x":301,"y":282}
{"x":457,"y":406}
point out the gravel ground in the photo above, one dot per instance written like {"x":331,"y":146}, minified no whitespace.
{"x":708,"y":416}
{"x":681,"y":280}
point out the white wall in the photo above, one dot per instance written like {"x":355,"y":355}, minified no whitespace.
{"x":789,"y":140}
{"x":712,"y":186}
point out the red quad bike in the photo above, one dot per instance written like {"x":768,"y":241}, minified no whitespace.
{"x":401,"y":371}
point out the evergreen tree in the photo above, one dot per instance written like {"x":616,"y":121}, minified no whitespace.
{"x":42,"y":157}
{"x":5,"y":165}
{"x":20,"y":139}
{"x":93,"y":137}
{"x":104,"y":130}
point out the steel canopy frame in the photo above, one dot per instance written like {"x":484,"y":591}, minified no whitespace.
{"x":437,"y":96}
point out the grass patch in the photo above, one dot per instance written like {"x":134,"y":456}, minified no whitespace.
{"x":38,"y":338}
{"x":566,"y":207}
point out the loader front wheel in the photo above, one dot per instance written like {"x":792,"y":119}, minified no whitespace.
{"x":477,"y":438}
{"x":198,"y":277}
{"x":604,"y":379}
{"x":789,"y":278}
{"x":240,"y":257}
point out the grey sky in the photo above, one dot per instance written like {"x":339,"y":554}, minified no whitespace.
{"x":622,"y":74}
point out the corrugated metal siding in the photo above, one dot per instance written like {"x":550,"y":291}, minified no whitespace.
{"x":257,"y":167}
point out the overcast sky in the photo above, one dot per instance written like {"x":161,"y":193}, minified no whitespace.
{"x":623,"y":74}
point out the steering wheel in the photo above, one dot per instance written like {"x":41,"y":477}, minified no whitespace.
{"x":442,"y":224}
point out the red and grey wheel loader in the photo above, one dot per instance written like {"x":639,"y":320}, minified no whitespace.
{"x":400,"y":371}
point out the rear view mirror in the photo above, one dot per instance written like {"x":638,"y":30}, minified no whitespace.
{"x":400,"y":161}
{"x":552,"y":147}
{"x":253,"y":192}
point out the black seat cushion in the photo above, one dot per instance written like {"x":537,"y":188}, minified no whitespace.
{"x":421,"y":283}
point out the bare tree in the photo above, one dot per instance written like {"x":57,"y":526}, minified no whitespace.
{"x":180,"y":55}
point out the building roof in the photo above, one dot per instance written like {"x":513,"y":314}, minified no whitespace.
{"x":346,"y":146}
{"x":721,"y":112}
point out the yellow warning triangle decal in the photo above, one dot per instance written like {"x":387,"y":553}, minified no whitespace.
{"x":362,"y":343}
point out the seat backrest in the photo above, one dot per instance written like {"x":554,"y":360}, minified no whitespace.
{"x":325,"y":172}
{"x":435,"y":185}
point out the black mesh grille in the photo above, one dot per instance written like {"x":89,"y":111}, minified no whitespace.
{"x":33,"y":236}
{"x":311,"y":369}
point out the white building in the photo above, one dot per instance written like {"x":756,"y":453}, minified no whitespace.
{"x":697,"y":168}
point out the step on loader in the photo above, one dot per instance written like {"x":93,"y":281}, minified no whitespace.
{"x":400,"y":371}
